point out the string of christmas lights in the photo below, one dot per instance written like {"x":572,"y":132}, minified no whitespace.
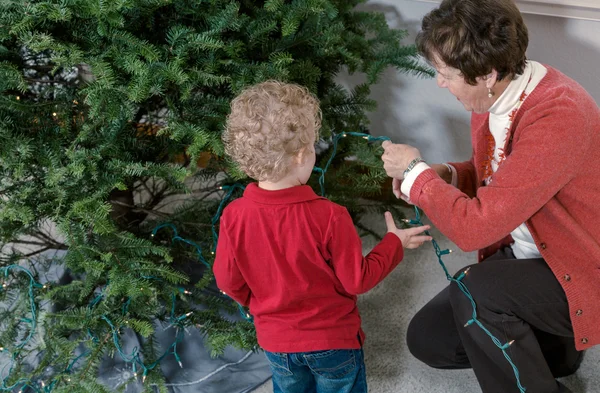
{"x":134,"y":356}
{"x":439,"y":253}
{"x":336,"y":138}
{"x":463,"y":288}
{"x":32,"y":325}
{"x":214,"y":221}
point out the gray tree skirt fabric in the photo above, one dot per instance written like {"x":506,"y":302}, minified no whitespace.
{"x":235,"y":371}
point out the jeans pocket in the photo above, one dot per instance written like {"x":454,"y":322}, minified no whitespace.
{"x":332,"y":364}
{"x":279,"y":363}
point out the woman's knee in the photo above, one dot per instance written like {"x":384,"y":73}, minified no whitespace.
{"x":474,"y":282}
{"x":416,"y":338}
{"x":431,"y":336}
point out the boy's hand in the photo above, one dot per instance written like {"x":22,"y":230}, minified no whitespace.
{"x":409,"y":237}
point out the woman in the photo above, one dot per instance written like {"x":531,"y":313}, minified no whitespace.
{"x":528,"y":200}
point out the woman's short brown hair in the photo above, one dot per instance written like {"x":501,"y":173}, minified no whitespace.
{"x":475,"y":37}
{"x":268,"y":125}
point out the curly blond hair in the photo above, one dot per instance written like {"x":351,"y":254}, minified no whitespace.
{"x":268,"y":125}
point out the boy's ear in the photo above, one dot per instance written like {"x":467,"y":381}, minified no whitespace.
{"x":301,"y":156}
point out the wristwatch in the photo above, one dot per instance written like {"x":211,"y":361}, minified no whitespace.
{"x":412,"y":164}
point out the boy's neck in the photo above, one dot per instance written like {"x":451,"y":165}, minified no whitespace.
{"x":288,"y":181}
{"x":278,"y":185}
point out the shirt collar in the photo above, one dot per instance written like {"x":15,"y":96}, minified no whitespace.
{"x":510,"y":97}
{"x":295,"y":194}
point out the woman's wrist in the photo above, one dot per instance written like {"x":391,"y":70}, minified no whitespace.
{"x":411,"y":165}
{"x":444,"y":171}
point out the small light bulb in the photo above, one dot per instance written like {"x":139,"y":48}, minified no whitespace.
{"x":188,"y":314}
{"x":180,"y":364}
{"x":212,"y":252}
{"x":18,"y":98}
{"x":366,"y":137}
{"x":144,"y":379}
{"x":187,"y":292}
{"x":54,"y":114}
{"x":43,"y":384}
{"x":4,"y":285}
{"x":44,"y":286}
{"x":248,"y":316}
{"x":1,"y":349}
{"x":68,"y":379}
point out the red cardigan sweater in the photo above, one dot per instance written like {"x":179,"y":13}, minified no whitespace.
{"x":296,"y":259}
{"x":550,"y":180}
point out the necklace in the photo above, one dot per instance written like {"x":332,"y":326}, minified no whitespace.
{"x":488,"y":170}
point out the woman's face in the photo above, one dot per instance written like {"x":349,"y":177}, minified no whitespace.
{"x":474,"y":98}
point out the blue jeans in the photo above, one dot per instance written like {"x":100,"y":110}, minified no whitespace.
{"x":331,"y":371}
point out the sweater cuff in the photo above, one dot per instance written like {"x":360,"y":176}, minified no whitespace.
{"x":410,"y":178}
{"x":417,"y":187}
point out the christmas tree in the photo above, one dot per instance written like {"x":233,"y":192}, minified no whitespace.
{"x":110,"y":152}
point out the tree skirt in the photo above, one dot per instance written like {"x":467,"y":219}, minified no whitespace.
{"x":235,"y":371}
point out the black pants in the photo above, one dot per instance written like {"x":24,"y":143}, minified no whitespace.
{"x":517,"y":299}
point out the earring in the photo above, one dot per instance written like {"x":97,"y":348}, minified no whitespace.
{"x":490,"y":93}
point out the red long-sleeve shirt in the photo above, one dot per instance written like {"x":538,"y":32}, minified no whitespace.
{"x":296,"y":259}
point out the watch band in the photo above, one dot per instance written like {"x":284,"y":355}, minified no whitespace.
{"x":412,"y":164}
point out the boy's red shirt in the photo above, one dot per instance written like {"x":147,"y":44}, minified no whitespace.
{"x":296,"y":260}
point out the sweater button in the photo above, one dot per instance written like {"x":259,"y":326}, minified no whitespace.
{"x":567,"y":277}
{"x":543,"y":246}
{"x":578,"y":312}
{"x":584,"y":340}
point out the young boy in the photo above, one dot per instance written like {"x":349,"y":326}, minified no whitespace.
{"x":293,"y":257}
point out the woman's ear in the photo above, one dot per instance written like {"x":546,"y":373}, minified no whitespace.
{"x":491,"y":79}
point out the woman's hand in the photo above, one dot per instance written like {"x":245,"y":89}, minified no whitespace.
{"x":396,"y":184}
{"x":396,"y":158}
